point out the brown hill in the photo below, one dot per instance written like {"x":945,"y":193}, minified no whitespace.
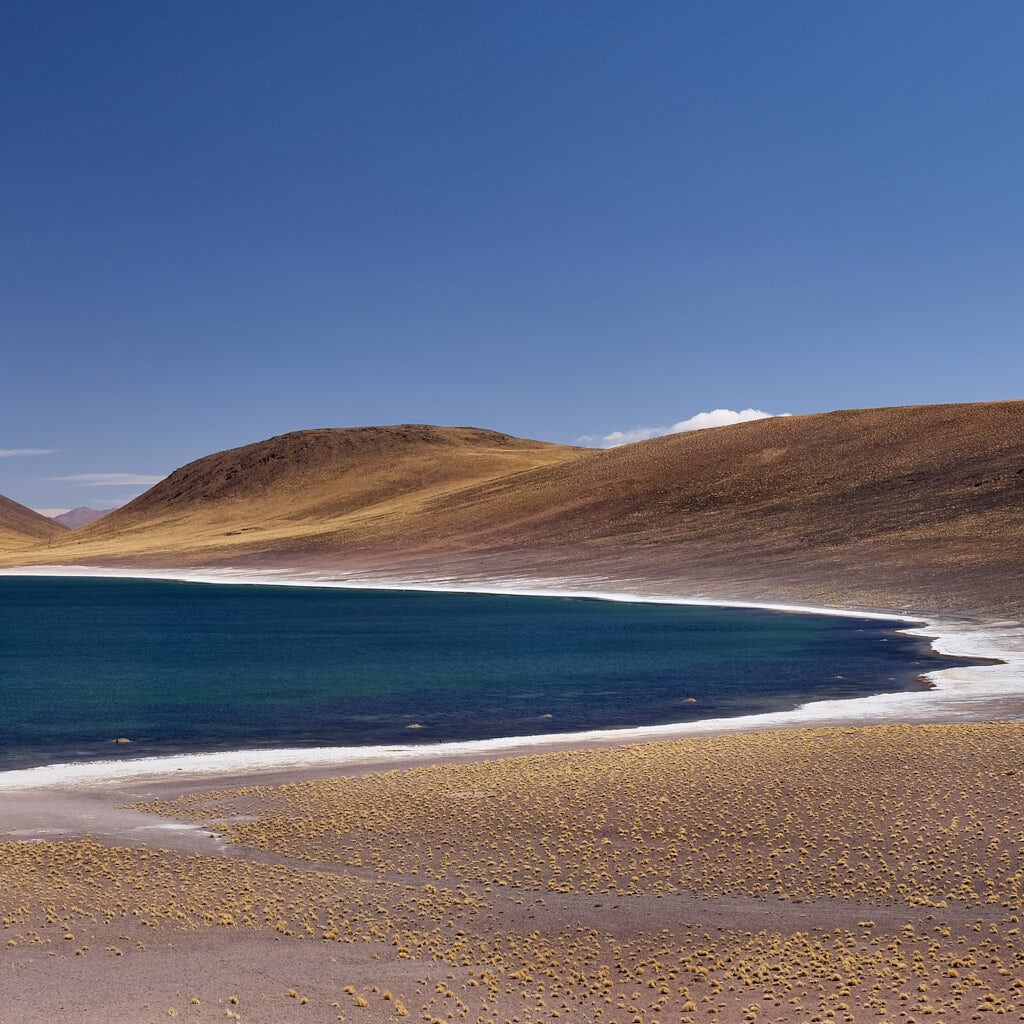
{"x":20,"y":526}
{"x":920,"y":505}
{"x":822,"y":481}
{"x":303,"y":491}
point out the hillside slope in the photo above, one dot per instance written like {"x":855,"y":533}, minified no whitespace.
{"x":307,"y":490}
{"x":946,"y":473}
{"x":20,"y":526}
{"x":920,"y":506}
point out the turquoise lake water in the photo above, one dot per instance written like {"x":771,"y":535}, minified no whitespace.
{"x":198,"y":667}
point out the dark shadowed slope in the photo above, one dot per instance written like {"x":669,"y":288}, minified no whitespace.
{"x":21,"y":527}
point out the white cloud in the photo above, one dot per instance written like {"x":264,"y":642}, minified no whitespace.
{"x":109,"y":479}
{"x":702,"y":421}
{"x":6,"y":453}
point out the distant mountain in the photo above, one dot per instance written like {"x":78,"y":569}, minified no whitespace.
{"x":915,"y":506}
{"x":21,"y":527}
{"x":81,"y":516}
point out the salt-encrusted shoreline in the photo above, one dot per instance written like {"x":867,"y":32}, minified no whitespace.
{"x":961,"y":693}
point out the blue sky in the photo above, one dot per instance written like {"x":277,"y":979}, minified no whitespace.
{"x":225,"y":221}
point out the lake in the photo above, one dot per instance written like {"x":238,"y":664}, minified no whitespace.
{"x":200,"y":667}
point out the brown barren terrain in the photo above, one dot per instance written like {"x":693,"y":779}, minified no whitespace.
{"x":916,"y":507}
{"x":810,"y":876}
{"x":307,"y":491}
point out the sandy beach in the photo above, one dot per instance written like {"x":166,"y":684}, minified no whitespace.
{"x":849,"y":860}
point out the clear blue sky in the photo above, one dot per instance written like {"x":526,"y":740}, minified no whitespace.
{"x":230,"y":220}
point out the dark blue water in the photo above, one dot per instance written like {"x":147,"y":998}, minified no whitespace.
{"x":180,"y":666}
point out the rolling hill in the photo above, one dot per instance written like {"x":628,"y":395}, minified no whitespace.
{"x":308,"y":490}
{"x":920,"y":506}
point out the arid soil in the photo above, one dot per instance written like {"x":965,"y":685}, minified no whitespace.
{"x":856,"y":874}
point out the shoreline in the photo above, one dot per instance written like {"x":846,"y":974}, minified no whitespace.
{"x":958,"y":694}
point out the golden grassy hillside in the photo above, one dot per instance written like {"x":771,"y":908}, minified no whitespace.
{"x":307,"y":489}
{"x":918,"y":505}
{"x":20,"y":527}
